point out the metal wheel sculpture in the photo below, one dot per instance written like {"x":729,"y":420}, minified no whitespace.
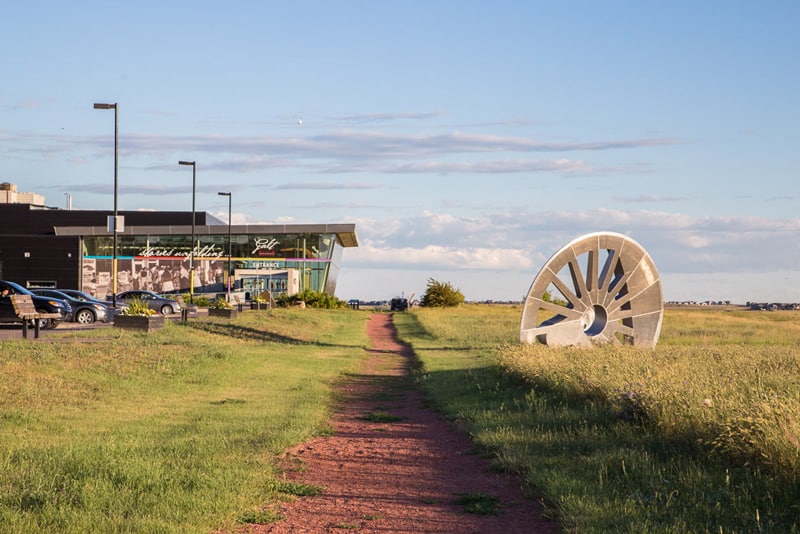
{"x":600,"y":288}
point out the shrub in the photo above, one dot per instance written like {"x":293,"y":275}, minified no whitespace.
{"x":220,"y":304}
{"x":139,"y":308}
{"x":199,"y":300}
{"x":313,"y":299}
{"x":441,"y":295}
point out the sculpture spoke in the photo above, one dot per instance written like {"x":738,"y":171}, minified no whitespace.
{"x":556,"y":309}
{"x":578,"y":278}
{"x":568,"y":294}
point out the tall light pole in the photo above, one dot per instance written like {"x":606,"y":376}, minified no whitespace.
{"x":191,"y":252}
{"x":230,"y":199}
{"x":114,"y":225}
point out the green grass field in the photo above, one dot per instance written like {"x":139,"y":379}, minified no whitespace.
{"x":181,"y":430}
{"x":174,"y":431}
{"x":699,"y":435}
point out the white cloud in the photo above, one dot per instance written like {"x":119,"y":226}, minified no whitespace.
{"x":700,"y":256}
{"x":564,"y":166}
{"x":437,"y":257}
{"x":366,"y":118}
{"x":325,"y":186}
{"x":340,"y":151}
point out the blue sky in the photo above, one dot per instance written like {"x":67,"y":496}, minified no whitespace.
{"x":468,"y":141}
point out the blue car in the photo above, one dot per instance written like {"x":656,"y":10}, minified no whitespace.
{"x":83,"y":312}
{"x":42,"y":303}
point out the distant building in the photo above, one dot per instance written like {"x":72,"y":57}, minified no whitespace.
{"x":10,"y":195}
{"x":49,"y":247}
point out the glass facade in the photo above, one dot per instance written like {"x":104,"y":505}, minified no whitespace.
{"x":162,"y":263}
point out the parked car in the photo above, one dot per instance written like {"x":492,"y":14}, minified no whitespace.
{"x":81,"y":295}
{"x":42,"y":303}
{"x":83,"y":312}
{"x":156,"y":302}
{"x":399,"y":304}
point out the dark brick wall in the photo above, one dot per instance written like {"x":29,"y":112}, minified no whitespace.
{"x":25,"y":259}
{"x":21,"y":219}
{"x":25,"y":230}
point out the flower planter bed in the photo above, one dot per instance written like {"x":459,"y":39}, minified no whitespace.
{"x":221,"y":312}
{"x":139,"y":322}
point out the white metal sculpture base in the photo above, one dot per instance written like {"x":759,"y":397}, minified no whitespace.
{"x":600,"y":288}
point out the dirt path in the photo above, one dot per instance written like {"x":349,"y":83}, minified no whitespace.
{"x":399,"y":470}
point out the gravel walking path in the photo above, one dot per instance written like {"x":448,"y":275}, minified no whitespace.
{"x":394,"y":466}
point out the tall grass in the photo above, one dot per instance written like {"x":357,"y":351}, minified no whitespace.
{"x":174,"y":431}
{"x":699,"y":435}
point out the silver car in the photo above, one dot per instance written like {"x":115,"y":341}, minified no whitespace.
{"x":154,"y":301}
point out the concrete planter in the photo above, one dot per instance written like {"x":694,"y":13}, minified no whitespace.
{"x":139,"y":322}
{"x":219,"y":312}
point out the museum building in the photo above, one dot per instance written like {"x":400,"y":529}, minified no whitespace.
{"x":43,"y":246}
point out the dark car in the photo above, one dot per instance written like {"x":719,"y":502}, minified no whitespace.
{"x":42,"y":303}
{"x":154,"y":301}
{"x":399,"y":304}
{"x":81,"y":295}
{"x":83,"y":311}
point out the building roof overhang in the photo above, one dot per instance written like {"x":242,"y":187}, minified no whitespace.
{"x":345,"y":233}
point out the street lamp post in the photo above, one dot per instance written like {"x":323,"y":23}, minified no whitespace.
{"x":191,"y":252}
{"x":230,"y":199}
{"x":115,"y":220}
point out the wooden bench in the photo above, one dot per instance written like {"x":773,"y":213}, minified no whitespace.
{"x":187,"y":310}
{"x":26,"y":310}
{"x":239,"y":301}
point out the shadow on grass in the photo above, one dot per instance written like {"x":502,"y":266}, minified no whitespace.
{"x":598,"y":470}
{"x":233,"y":330}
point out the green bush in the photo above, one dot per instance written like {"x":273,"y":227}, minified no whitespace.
{"x":198,"y":299}
{"x":312,"y":299}
{"x":138,"y":307}
{"x":220,"y":304}
{"x":441,"y":295}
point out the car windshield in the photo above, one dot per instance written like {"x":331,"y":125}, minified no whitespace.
{"x":80,"y":296}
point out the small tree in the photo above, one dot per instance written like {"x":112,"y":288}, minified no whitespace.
{"x":442,"y":295}
{"x":548,"y":297}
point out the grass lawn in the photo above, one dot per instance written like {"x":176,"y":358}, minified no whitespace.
{"x":181,"y":430}
{"x":177,"y":430}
